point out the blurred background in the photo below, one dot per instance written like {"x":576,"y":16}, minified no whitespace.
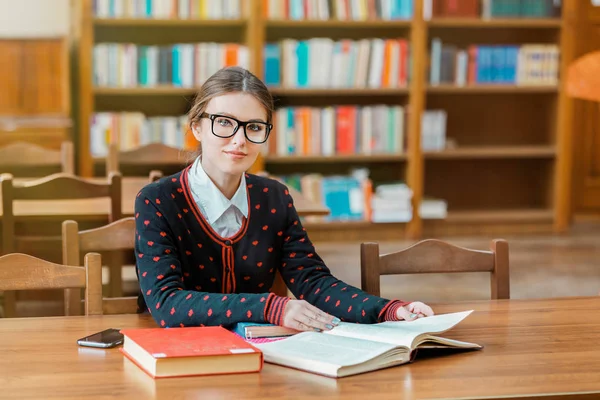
{"x":396,"y":121}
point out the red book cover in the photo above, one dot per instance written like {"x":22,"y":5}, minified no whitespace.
{"x":191,"y":342}
{"x":346,"y":129}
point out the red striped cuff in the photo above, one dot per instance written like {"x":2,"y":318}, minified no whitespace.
{"x":274,"y":308}
{"x":390,"y":311}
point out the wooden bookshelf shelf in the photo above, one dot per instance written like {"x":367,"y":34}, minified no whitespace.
{"x":357,"y":158}
{"x":508,"y":216}
{"x":141,"y":22}
{"x":484,"y":152}
{"x":465,"y":23}
{"x":483,"y":89}
{"x":144,"y":91}
{"x":309,"y":24}
{"x":289,"y":92}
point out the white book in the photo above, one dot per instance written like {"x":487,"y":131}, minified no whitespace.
{"x":350,"y":349}
{"x":243,"y":57}
{"x":376,"y":63}
{"x":315,"y":132}
{"x":436,"y":61}
{"x":183,"y":11}
{"x":362,"y":63}
{"x":280,"y":131}
{"x":328,"y":131}
{"x":462,"y":62}
{"x":427,"y":9}
{"x":366,"y":128}
{"x":399,"y":129}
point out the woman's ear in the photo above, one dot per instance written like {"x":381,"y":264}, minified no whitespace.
{"x":196,"y":130}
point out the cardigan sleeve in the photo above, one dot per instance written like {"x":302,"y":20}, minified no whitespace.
{"x":307,"y":276}
{"x":161,"y":280}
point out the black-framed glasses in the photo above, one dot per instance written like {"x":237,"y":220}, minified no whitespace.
{"x":225,"y":127}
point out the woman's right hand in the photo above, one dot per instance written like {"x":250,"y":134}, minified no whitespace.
{"x":303,"y":316}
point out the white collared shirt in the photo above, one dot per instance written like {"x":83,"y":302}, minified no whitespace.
{"x":224,"y":216}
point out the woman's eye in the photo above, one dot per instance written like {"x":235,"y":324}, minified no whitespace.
{"x":224,"y":122}
{"x":254,"y":127}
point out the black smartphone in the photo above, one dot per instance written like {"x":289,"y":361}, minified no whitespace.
{"x":105,"y":339}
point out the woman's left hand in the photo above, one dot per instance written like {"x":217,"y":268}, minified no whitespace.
{"x":413,"y":311}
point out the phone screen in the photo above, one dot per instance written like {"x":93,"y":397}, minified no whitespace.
{"x":107,"y":338}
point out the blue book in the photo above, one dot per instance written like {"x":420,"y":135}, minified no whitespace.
{"x":303,"y":63}
{"x":343,"y":196}
{"x":272,"y":64}
{"x":255,"y":330}
{"x":148,"y":8}
{"x":512,"y":56}
{"x":176,"y":66}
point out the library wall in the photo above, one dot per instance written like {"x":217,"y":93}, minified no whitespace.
{"x":34,"y":18}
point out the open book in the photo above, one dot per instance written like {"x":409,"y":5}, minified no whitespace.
{"x":350,"y":349}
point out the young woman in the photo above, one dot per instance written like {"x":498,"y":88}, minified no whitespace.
{"x":211,"y":237}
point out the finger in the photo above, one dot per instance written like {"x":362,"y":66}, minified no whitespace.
{"x":300,"y":326}
{"x":423,"y":310}
{"x":317,"y":320}
{"x":308,"y":324}
{"x":405,"y":314}
{"x":320,"y":315}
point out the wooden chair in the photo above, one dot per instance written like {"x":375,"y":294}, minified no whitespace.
{"x":143,"y":156}
{"x":436,"y":256}
{"x":59,"y":186}
{"x":23,"y":272}
{"x":21,"y":158}
{"x":114,"y":237}
{"x":54,"y":187}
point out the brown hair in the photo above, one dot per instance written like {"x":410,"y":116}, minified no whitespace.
{"x":230,"y":80}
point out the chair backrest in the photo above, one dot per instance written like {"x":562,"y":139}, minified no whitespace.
{"x":21,"y":154}
{"x":55,"y":187}
{"x":116,"y":236}
{"x":150,"y":154}
{"x":436,"y":256}
{"x":23,"y":272}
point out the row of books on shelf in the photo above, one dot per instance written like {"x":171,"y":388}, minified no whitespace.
{"x":353,"y":197}
{"x":340,"y":130}
{"x":492,"y":8}
{"x":323,"y":62}
{"x":169,"y":9}
{"x":180,"y":65}
{"x":528,"y":64}
{"x":297,"y":131}
{"x":130,"y":130}
{"x":343,"y":10}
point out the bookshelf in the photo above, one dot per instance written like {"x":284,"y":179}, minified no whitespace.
{"x":508,"y":173}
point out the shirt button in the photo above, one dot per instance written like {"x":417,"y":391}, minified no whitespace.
{"x":228,"y":242}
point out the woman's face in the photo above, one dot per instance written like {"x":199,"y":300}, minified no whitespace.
{"x":234,"y":155}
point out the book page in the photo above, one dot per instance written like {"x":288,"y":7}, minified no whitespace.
{"x":321,"y":353}
{"x":401,"y":333}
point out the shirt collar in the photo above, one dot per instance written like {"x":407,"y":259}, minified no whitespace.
{"x":212,"y":199}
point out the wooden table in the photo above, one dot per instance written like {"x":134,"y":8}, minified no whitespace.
{"x":98,"y":209}
{"x":542,"y":348}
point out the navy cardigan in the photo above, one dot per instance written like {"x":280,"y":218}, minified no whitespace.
{"x":191,"y":276}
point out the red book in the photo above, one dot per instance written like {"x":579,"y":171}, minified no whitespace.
{"x":176,"y":352}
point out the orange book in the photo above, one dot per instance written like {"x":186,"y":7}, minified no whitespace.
{"x":176,"y":352}
{"x":387,"y":63}
{"x":231,"y":54}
